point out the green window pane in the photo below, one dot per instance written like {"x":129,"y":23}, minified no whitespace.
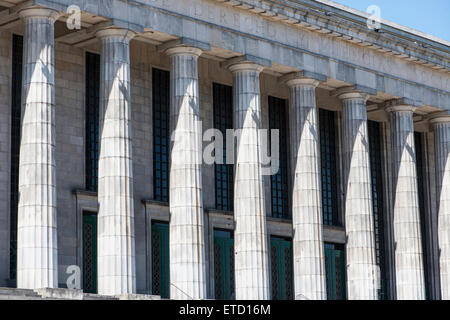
{"x":281,"y":269}
{"x":90,"y":252}
{"x":224,"y":265}
{"x":160,"y":259}
{"x":335,"y":272}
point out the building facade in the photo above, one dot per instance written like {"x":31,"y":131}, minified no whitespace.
{"x":91,"y":101}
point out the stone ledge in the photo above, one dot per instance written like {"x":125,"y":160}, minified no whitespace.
{"x":18,"y":294}
{"x":131,"y":296}
{"x":342,"y":22}
{"x":157,"y":203}
{"x":65,"y":294}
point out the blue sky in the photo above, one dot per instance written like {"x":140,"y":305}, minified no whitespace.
{"x":429,"y":16}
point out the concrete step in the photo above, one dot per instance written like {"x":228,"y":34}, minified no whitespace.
{"x":18,"y":294}
{"x":65,"y":294}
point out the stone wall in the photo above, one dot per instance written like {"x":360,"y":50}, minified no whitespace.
{"x":141,"y":113}
{"x":70,"y":146}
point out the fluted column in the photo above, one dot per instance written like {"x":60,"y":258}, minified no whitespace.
{"x":37,"y":259}
{"x":359,"y":224}
{"x":186,"y":237}
{"x":309,"y":262}
{"x":116,"y":239}
{"x":251,"y":247}
{"x":408,"y":245}
{"x":442,"y":150}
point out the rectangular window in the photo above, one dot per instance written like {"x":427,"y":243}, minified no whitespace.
{"x":328,"y":161}
{"x":224,"y":265}
{"x":377,"y":202}
{"x":335,"y":271}
{"x":160,"y":259}
{"x":161,"y":134}
{"x":90,"y":252}
{"x":223,"y":120}
{"x":92,"y":119}
{"x":281,"y":268}
{"x":279,"y":181}
{"x":420,"y":167}
{"x":16,"y":104}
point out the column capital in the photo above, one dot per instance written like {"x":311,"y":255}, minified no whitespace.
{"x":400,"y":105}
{"x":38,"y":12}
{"x":246,"y":66}
{"x":126,"y":34}
{"x":301,"y":78}
{"x":246,"y":63}
{"x":440,"y":118}
{"x":394,"y":106}
{"x":184,"y":46}
{"x":183,"y":50}
{"x":353,"y":92}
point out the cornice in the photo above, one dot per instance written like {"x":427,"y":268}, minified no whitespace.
{"x":350,"y":27}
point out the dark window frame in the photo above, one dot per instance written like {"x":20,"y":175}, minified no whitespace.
{"x":92,"y":102}
{"x":421,"y":189}
{"x":161,"y":134}
{"x":16,"y":106}
{"x":223,"y":120}
{"x":279,"y":184}
{"x":328,"y":136}
{"x":377,"y":184}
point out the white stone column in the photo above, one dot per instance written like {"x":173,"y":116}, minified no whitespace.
{"x":309,"y":261}
{"x":251,"y":243}
{"x":407,"y":237}
{"x":442,"y":150}
{"x":359,"y":224}
{"x":37,"y":259}
{"x":116,"y":239}
{"x":186,"y":237}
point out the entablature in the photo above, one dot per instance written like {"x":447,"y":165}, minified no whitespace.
{"x":335,"y":43}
